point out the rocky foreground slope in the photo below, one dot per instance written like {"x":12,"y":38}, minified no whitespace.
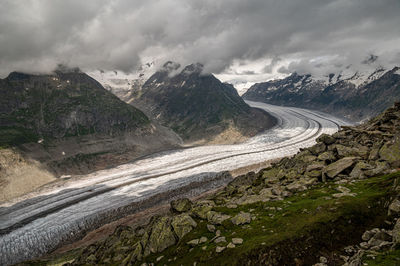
{"x":67,"y":123}
{"x":334,"y":203}
{"x":198,"y":106}
{"x":356,"y":97}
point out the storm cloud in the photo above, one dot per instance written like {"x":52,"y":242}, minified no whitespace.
{"x":269,"y":36}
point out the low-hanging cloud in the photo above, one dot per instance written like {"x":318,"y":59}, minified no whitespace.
{"x":36,"y":35}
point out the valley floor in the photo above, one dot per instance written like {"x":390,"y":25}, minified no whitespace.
{"x":64,"y":212}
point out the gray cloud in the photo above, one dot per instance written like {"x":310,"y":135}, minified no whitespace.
{"x":306,"y":35}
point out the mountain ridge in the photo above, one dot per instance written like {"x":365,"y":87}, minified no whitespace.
{"x":197,"y":105}
{"x":354,"y":98}
{"x":66,"y":123}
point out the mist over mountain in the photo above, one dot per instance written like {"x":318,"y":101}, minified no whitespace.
{"x":305,"y":36}
{"x":359,"y":96}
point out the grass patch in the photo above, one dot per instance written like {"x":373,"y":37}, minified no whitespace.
{"x":304,"y":214}
{"x":389,"y":258}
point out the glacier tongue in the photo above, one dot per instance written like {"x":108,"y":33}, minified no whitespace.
{"x":62,"y":213}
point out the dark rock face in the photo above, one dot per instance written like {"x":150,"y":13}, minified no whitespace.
{"x":197,"y":105}
{"x":61,"y":105}
{"x":339,"y":97}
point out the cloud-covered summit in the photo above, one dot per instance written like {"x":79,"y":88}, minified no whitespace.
{"x":261,"y":37}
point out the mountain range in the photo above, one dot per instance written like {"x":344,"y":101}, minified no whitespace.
{"x":198,"y":106}
{"x":357,"y":97}
{"x":66,"y":123}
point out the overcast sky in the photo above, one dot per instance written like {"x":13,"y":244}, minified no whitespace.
{"x":243,"y":39}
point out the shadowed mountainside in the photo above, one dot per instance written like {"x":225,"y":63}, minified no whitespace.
{"x":198,"y":106}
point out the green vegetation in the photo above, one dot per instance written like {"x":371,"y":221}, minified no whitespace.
{"x":389,"y":258}
{"x":304,"y":214}
{"x":58,"y":106}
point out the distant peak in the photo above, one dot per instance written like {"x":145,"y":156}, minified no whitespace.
{"x":171,"y":66}
{"x":193,"y":68}
{"x":18,"y":76}
{"x":64,"y":69}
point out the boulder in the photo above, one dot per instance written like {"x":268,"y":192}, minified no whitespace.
{"x":345,"y":192}
{"x":216,"y":217}
{"x":193,"y":242}
{"x":239,"y":241}
{"x":241,"y":218}
{"x":396,"y":232}
{"x":394,"y":207}
{"x":358,"y":170}
{"x":220,"y":239}
{"x":369,"y":234}
{"x":333,"y":169}
{"x":306,"y":159}
{"x":201,"y":209}
{"x":314,"y":174}
{"x":344,"y":151}
{"x":390,"y":153}
{"x":203,"y":239}
{"x":374,"y":153}
{"x":317,"y":149}
{"x":211,"y":228}
{"x":219,"y":249}
{"x":327,"y":156}
{"x":326,"y":139}
{"x":231,"y":245}
{"x":383,"y":235}
{"x":182,"y":224}
{"x":181,"y":205}
{"x":315,"y":166}
{"x":381,"y":167}
{"x":161,"y":236}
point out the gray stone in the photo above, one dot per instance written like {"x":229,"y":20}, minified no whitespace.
{"x":203,"y":239}
{"x":237,"y":241}
{"x":326,"y":139}
{"x":333,"y":169}
{"x":183,"y":224}
{"x":181,"y":205}
{"x":390,"y":152}
{"x":216,"y":217}
{"x":323,"y":259}
{"x":241,"y":218}
{"x":220,"y":239}
{"x":211,"y":228}
{"x":327,"y":156}
{"x":367,"y":235}
{"x":161,"y":236}
{"x":394,"y":207}
{"x":396,"y":232}
{"x":231,"y":245}
{"x":317,"y":149}
{"x":315,"y":166}
{"x":193,"y":242}
{"x":219,"y":249}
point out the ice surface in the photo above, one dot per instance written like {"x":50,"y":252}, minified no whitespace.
{"x":63,"y":211}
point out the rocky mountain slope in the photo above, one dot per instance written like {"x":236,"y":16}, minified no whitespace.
{"x":70,"y":124}
{"x":198,"y":106}
{"x":356,"y":97}
{"x":337,"y":202}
